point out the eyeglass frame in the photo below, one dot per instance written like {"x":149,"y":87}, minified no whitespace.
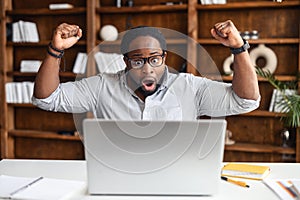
{"x":146,"y":59}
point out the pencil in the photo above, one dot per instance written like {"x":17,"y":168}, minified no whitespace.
{"x":239,"y":183}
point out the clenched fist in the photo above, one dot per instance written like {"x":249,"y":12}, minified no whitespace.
{"x":65,"y":36}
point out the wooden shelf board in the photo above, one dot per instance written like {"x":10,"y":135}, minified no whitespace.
{"x":142,"y":9}
{"x":41,"y":135}
{"x":118,"y":42}
{"x":22,"y":105}
{"x":33,"y":74}
{"x":259,"y":148}
{"x":206,"y":41}
{"x":229,"y":78}
{"x":247,"y":5}
{"x":43,"y":43}
{"x":263,"y":113}
{"x":46,"y":11}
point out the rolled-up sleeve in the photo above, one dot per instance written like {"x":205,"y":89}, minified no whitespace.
{"x":72,"y":97}
{"x":217,"y":99}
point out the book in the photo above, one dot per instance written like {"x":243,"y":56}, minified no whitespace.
{"x":285,"y":189}
{"x":23,"y":31}
{"x":109,"y":62}
{"x":19,"y":92}
{"x":249,"y":171}
{"x":58,"y":6}
{"x":30,"y":65}
{"x":80,"y":63}
{"x":41,"y":188}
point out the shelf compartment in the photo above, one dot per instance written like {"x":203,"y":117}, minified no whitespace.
{"x":142,"y":9}
{"x":259,"y":148}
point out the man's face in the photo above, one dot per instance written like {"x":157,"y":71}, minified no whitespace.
{"x":144,"y":52}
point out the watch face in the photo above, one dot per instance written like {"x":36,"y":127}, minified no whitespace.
{"x":241,"y":49}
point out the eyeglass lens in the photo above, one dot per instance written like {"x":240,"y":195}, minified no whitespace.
{"x":154,"y":61}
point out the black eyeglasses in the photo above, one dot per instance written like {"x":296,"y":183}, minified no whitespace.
{"x":154,"y":61}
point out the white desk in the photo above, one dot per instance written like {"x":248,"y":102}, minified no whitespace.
{"x":76,"y":170}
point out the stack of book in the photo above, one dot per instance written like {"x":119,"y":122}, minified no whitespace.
{"x":19,"y":92}
{"x":80,"y":63}
{"x":207,"y":2}
{"x":23,"y":31}
{"x":30,"y":65}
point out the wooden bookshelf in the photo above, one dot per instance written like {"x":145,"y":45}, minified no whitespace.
{"x":257,"y":134}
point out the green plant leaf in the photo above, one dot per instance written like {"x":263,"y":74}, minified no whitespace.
{"x":290,"y":104}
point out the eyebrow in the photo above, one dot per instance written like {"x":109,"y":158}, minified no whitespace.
{"x":152,"y":53}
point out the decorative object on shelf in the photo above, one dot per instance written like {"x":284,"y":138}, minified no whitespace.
{"x":129,"y":3}
{"x":228,"y":135}
{"x":109,"y":33}
{"x":118,"y":3}
{"x":253,"y":35}
{"x":288,"y":138}
{"x":268,"y":54}
{"x":277,"y":97}
{"x":245,"y":35}
{"x":227,"y":65}
{"x":290,"y":104}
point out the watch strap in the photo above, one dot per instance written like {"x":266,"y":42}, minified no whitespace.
{"x":241,"y":49}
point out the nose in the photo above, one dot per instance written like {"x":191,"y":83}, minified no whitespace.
{"x":147,"y":69}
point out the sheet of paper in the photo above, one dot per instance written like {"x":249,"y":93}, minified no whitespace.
{"x":39,"y":188}
{"x":10,"y":184}
{"x":279,"y":186}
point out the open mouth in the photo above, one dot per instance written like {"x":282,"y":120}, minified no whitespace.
{"x":148,"y":84}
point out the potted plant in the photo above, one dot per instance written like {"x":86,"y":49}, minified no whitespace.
{"x":289,"y":104}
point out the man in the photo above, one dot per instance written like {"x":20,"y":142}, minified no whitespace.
{"x":146,"y":89}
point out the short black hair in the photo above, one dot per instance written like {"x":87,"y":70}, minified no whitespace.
{"x":135,"y":32}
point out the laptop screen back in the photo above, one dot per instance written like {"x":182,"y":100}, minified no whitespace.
{"x":154,"y":157}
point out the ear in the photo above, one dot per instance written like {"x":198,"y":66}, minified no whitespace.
{"x":165,"y":56}
{"x":125,"y":59}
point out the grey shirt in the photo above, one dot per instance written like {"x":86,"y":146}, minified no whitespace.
{"x":180,"y":97}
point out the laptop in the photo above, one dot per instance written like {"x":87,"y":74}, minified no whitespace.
{"x":154,"y":157}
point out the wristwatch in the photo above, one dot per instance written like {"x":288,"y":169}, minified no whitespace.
{"x":241,"y":49}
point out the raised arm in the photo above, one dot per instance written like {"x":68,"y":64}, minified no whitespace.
{"x":244,"y":82}
{"x":47,"y":79}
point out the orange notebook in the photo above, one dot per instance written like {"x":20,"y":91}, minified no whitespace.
{"x":250,"y":171}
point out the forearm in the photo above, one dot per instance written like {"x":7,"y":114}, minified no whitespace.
{"x":47,"y":79}
{"x":244,"y":82}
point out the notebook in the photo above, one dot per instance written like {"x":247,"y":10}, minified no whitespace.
{"x":250,"y":171}
{"x":154,"y":157}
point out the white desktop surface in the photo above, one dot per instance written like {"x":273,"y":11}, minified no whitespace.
{"x":76,"y":170}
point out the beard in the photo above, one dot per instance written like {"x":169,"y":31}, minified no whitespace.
{"x":147,"y":93}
